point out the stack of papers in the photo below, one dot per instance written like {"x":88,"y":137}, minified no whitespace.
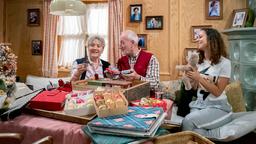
{"x":139,"y":122}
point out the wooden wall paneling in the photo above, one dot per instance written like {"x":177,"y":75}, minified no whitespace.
{"x":2,"y":20}
{"x":168,"y":44}
{"x":158,"y":40}
{"x":20,"y":35}
{"x":174,"y":37}
{"x":196,"y":16}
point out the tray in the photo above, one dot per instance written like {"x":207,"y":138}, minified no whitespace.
{"x":134,"y":90}
{"x":60,"y":115}
{"x":121,"y":83}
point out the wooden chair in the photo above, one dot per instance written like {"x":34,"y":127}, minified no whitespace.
{"x":10,"y":138}
{"x":45,"y":140}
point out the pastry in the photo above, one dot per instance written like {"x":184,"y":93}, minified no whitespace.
{"x":102,"y":107}
{"x":107,"y":95}
{"x":110,"y":103}
{"x":120,"y":102}
{"x":100,"y":102}
{"x":98,"y":97}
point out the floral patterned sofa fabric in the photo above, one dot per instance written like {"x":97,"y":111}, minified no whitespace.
{"x":170,"y":88}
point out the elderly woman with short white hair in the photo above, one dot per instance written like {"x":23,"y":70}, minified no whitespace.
{"x":92,"y":67}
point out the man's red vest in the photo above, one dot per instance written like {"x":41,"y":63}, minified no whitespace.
{"x":140,"y":66}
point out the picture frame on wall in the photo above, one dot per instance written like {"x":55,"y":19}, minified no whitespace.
{"x":239,"y":18}
{"x":36,"y":46}
{"x":142,"y":41}
{"x":136,"y":13}
{"x":195,"y":31}
{"x":33,"y":17}
{"x":214,"y":9}
{"x":154,"y":22}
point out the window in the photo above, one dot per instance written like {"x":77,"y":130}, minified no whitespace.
{"x":97,"y":23}
{"x":72,"y":31}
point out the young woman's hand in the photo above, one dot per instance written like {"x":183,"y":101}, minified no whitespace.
{"x":194,"y":74}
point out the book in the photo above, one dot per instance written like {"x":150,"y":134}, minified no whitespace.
{"x":140,"y":121}
{"x":110,"y":139}
{"x":132,"y":133}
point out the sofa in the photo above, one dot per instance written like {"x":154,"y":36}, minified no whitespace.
{"x":241,"y":123}
{"x":37,"y":82}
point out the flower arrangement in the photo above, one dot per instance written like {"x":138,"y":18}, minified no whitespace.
{"x":8,"y":67}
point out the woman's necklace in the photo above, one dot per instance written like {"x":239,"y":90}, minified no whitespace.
{"x":95,"y":66}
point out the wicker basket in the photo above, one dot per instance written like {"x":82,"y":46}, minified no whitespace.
{"x":185,"y":137}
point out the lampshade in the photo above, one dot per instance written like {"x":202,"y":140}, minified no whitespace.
{"x":67,"y":7}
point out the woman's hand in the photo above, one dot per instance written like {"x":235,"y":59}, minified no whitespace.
{"x":194,"y":74}
{"x":215,"y":88}
{"x":80,"y":68}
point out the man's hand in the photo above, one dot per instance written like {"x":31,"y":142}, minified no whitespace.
{"x":132,"y":76}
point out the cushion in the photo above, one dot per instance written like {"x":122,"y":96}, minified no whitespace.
{"x":237,"y":128}
{"x":218,"y":122}
{"x":235,"y":96}
{"x":42,"y":82}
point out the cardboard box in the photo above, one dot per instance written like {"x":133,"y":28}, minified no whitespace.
{"x":138,"y":90}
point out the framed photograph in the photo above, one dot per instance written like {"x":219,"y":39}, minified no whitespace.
{"x":186,"y":52}
{"x":214,"y":9}
{"x":136,"y":13}
{"x":154,"y":22}
{"x":36,"y":47}
{"x":142,"y":41}
{"x":33,"y":17}
{"x":239,"y":18}
{"x":195,"y":31}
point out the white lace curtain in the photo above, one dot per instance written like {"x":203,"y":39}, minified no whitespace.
{"x":97,"y":23}
{"x":73,"y":30}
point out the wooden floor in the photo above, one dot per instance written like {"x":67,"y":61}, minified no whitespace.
{"x":247,"y":139}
